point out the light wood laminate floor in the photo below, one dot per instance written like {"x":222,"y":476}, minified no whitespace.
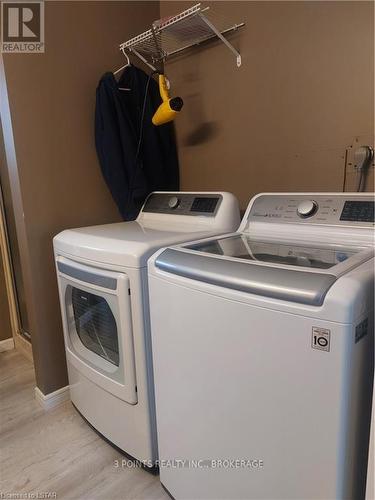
{"x":57,"y":451}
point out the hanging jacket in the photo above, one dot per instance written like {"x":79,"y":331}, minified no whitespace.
{"x":135,"y":158}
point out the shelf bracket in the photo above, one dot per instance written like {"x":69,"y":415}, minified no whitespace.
{"x":222,"y":38}
{"x":142,"y":58}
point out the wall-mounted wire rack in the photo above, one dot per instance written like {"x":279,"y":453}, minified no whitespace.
{"x":172,"y":35}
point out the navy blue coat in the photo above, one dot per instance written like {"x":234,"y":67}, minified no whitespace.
{"x":134,"y":160}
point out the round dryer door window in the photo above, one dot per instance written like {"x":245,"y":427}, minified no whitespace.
{"x":95,"y":324}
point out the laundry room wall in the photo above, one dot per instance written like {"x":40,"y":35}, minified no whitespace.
{"x":52,"y":102}
{"x":287,"y":118}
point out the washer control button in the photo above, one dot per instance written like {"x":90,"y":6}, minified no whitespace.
{"x":307,"y":208}
{"x":173,"y":202}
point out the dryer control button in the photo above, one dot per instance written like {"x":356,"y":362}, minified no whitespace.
{"x":173,"y":202}
{"x":307,"y":208}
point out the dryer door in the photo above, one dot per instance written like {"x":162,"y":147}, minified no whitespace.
{"x":98,"y":326}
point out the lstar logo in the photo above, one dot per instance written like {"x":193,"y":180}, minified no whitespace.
{"x":22,"y":27}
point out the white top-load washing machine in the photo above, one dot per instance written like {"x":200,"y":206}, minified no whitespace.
{"x":102,"y":279}
{"x":370,"y":486}
{"x":263,"y":352}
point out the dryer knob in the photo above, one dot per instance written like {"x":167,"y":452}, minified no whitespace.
{"x":173,"y":202}
{"x":307,"y":208}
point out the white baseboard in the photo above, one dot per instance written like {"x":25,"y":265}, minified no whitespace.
{"x":53,"y":399}
{"x":7,"y":344}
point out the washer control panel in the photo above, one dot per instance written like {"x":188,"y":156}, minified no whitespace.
{"x":183,"y":203}
{"x":337,"y":209}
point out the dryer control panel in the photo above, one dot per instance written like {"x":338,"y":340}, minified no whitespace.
{"x":183,"y":203}
{"x":333,"y":209}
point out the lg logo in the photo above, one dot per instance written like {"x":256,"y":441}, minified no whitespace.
{"x":321,"y":339}
{"x":22,"y":27}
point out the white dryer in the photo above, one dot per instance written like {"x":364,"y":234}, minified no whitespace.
{"x":102,"y":279}
{"x":263,"y":352}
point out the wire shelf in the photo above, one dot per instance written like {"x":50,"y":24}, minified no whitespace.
{"x":172,"y":35}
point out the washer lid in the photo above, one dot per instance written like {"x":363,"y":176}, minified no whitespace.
{"x":241,"y":246}
{"x":288,"y":272}
{"x":128,"y":244}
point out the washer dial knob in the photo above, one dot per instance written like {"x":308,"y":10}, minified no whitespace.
{"x":173,"y":202}
{"x":307,"y":208}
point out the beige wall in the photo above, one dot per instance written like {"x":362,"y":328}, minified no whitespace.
{"x":52,"y":100}
{"x":284,"y":119}
{"x":5,"y":326}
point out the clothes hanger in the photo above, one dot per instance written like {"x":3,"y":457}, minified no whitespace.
{"x":123,"y":67}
